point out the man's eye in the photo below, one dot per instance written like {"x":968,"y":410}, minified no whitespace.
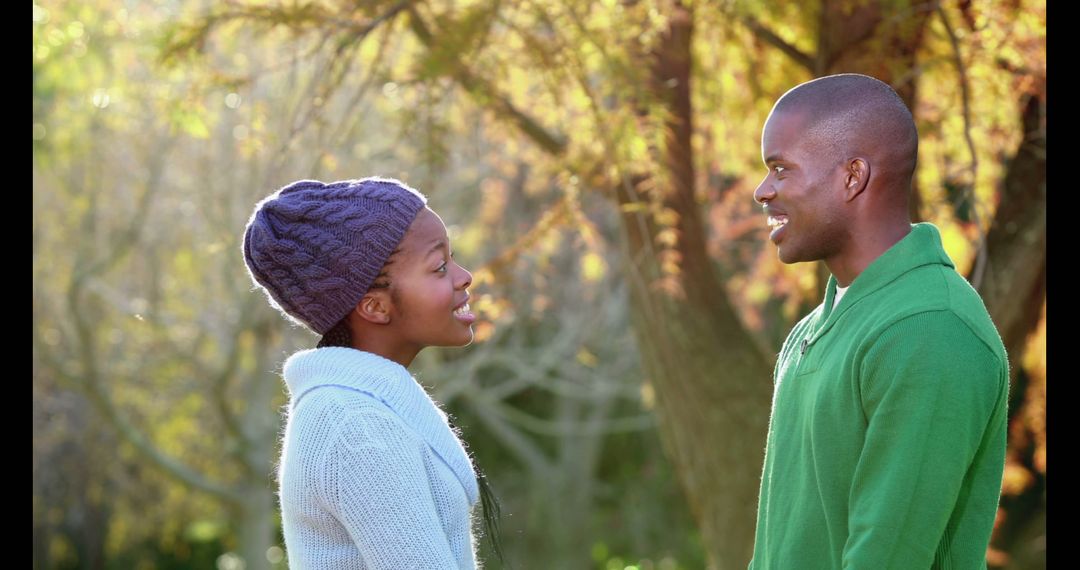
{"x":779,"y":169}
{"x":442,"y":268}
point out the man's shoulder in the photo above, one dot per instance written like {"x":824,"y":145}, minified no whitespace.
{"x":944,"y":298}
{"x":923,"y":289}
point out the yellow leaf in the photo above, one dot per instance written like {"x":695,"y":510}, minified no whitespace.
{"x":329,"y":162}
{"x":958,"y":246}
{"x":758,"y":292}
{"x":587,"y":358}
{"x":483,"y":331}
{"x":668,"y":237}
{"x":638,"y":150}
{"x":648,"y":395}
{"x":593,"y":267}
{"x":482,"y":277}
{"x":667,"y":217}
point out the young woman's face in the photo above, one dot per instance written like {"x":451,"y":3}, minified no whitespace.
{"x":428,"y":289}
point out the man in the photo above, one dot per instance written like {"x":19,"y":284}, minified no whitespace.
{"x":886,"y":444}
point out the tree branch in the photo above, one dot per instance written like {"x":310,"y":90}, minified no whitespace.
{"x":965,"y":97}
{"x":766,"y":35}
{"x":228,"y":370}
{"x":91,"y":377}
{"x":92,"y":383}
{"x":528,"y":452}
{"x":486,"y":93}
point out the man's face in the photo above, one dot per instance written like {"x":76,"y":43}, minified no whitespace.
{"x":803,"y":192}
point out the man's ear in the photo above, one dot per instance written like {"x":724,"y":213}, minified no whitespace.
{"x":375,"y":307}
{"x":856,"y":177}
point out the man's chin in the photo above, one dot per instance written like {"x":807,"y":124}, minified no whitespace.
{"x":790,"y":256}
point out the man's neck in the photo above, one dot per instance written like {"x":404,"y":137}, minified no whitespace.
{"x":865,"y":248}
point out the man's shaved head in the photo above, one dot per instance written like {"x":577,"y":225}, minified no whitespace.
{"x":856,"y":115}
{"x":841,"y":153}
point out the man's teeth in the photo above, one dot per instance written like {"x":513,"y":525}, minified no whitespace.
{"x":463,"y":310}
{"x":777,"y":221}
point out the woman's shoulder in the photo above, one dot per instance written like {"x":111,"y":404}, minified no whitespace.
{"x":352,"y":414}
{"x":338,"y":402}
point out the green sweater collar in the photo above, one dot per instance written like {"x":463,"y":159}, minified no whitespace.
{"x":922,"y":246}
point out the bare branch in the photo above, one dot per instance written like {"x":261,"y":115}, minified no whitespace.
{"x":103,"y":403}
{"x":345,"y":128}
{"x":295,"y":16}
{"x":528,"y":452}
{"x":91,"y":382}
{"x":486,"y":93}
{"x":965,"y":97}
{"x":228,"y":369}
{"x":768,"y":36}
{"x":90,"y":378}
{"x":543,"y":426}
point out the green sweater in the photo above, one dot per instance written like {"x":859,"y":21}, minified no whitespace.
{"x":886,"y":443}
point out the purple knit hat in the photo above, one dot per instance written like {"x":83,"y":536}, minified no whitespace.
{"x":316,"y":248}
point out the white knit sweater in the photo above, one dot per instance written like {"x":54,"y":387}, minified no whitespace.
{"x":371,"y":474}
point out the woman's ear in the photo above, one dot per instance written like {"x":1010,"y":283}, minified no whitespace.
{"x":375,"y":307}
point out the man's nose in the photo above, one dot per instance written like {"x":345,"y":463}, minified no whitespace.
{"x":764,"y":192}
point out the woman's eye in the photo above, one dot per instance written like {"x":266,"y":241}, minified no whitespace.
{"x":442,"y":268}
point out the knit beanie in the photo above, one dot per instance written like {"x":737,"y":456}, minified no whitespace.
{"x":316,"y":248}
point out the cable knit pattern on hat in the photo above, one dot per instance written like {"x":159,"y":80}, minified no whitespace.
{"x":372,"y":476}
{"x":316,"y":248}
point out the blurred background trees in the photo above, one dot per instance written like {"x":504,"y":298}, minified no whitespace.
{"x":595,"y":162}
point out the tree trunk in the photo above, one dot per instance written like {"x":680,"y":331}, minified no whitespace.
{"x":1014,"y":285}
{"x":258,"y":524}
{"x":1014,"y":290}
{"x":712,"y":385}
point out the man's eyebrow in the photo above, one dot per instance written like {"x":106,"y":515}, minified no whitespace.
{"x":774,"y":158}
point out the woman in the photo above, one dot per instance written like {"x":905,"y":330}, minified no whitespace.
{"x":372,"y":474}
